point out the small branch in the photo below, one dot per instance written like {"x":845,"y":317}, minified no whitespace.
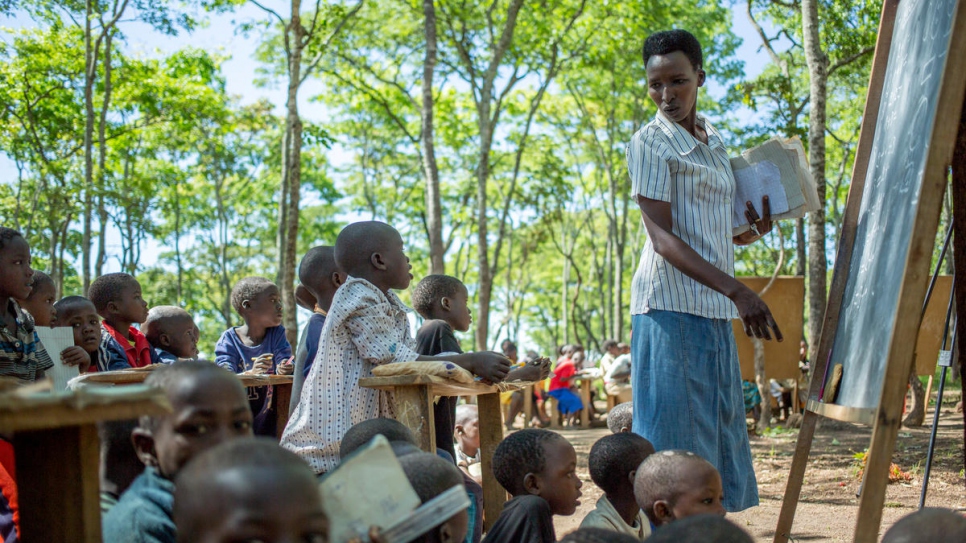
{"x":850,"y":59}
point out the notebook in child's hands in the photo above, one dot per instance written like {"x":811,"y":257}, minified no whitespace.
{"x":777,"y":169}
{"x":55,"y":340}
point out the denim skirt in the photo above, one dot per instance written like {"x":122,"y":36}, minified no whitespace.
{"x":687,"y":395}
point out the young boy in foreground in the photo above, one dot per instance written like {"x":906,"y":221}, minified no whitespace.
{"x":172,"y":333}
{"x":926,"y":526}
{"x":365,"y":327}
{"x":621,"y":418}
{"x":208,"y":407}
{"x":707,"y":529}
{"x":117,"y":297}
{"x":613,"y":463}
{"x":671,"y":485}
{"x":249,"y":490}
{"x":539,"y":469}
{"x":430,"y":476}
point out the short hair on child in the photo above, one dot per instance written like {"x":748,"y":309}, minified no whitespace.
{"x":154,"y":326}
{"x":711,"y":528}
{"x":403,"y":448}
{"x":70,"y":302}
{"x":929,"y":524}
{"x":431,"y":289}
{"x":621,"y":416}
{"x":608,"y":344}
{"x":597,"y":535}
{"x":465,"y":413}
{"x":430,"y":475}
{"x":360,"y":434}
{"x":358,"y":241}
{"x":247,"y":289}
{"x":669,"y":41}
{"x":107,"y":288}
{"x":614,"y":456}
{"x":659,"y":476}
{"x":317,"y":265}
{"x":521,"y":453}
{"x":168,"y":375}
{"x":40,"y":279}
{"x":202,"y":473}
{"x":7,"y":235}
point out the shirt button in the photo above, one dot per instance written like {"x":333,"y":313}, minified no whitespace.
{"x":16,"y":344}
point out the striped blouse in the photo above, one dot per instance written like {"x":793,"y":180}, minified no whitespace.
{"x":667,"y":163}
{"x":22,"y":355}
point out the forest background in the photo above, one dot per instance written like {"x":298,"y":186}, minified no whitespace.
{"x":491,"y":135}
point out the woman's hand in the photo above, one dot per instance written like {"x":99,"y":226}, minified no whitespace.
{"x":755,"y":315}
{"x":759,"y":225}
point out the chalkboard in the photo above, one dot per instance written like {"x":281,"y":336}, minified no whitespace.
{"x":890,"y":199}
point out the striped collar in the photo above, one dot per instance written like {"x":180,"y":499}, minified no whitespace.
{"x":681,"y":140}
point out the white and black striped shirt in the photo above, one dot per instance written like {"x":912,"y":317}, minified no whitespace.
{"x":667,"y":163}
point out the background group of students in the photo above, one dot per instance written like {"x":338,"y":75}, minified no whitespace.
{"x":199,"y":473}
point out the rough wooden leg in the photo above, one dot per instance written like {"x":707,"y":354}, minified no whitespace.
{"x":491,"y":433}
{"x":414,"y":408}
{"x":588,"y":403}
{"x":554,"y":413}
{"x":527,"y":406}
{"x":793,"y":489}
{"x":58,"y":485}
{"x":283,"y":395}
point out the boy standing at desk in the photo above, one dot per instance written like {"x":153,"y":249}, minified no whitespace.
{"x":366,"y":326}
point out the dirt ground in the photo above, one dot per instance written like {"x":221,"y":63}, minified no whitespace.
{"x":828,"y":507}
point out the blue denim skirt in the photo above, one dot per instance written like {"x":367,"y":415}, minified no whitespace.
{"x":687,"y":395}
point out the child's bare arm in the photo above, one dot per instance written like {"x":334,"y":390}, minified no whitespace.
{"x":76,"y":356}
{"x":492,"y":367}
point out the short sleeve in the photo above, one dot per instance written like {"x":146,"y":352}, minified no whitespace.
{"x":377,"y":334}
{"x":283,"y":349}
{"x":226,"y":356}
{"x":648,"y":167}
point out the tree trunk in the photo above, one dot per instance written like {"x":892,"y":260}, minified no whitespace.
{"x":434,"y":212}
{"x":817,"y":262}
{"x":482,"y":245}
{"x":916,"y":414}
{"x":90,"y":71}
{"x":761,"y":380}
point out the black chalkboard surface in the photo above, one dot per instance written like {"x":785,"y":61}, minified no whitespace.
{"x":897,"y":162}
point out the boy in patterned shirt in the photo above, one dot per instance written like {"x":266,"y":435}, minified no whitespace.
{"x":22,"y":355}
{"x":366,"y":326}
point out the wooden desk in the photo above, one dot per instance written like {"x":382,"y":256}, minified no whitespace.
{"x":586,"y":414}
{"x":58,"y":456}
{"x":282,"y":385}
{"x":414,"y":395}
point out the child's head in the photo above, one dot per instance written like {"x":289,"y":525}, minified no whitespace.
{"x":541,"y":463}
{"x":40,"y":303}
{"x":208,"y":406}
{"x":117,"y":297}
{"x":624,"y":348}
{"x":430,"y":476}
{"x":319,"y":273}
{"x":16,"y":275}
{"x":172,"y":329}
{"x":598,"y":535}
{"x":258,"y":302}
{"x":621,"y":418}
{"x":373,"y":251}
{"x":247,"y":490}
{"x":445,"y":298}
{"x":362,"y":433}
{"x":305,"y":299}
{"x":610,"y":346}
{"x":614,"y":460}
{"x":80,"y":314}
{"x":509,"y":349}
{"x":672,"y":485}
{"x":707,"y":528}
{"x":119,"y":464}
{"x":928,"y":525}
{"x":467,"y":426}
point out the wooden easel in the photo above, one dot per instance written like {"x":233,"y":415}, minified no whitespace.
{"x":886,"y":417}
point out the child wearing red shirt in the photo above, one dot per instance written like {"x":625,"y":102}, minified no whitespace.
{"x":117,"y":298}
{"x":568,"y":402}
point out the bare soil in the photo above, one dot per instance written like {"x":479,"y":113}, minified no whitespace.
{"x":828,"y":507}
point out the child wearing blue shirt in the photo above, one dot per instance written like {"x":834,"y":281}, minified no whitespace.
{"x":172,"y":333}
{"x":257,"y":347}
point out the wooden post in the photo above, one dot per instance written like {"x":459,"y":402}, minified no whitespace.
{"x":414,"y":408}
{"x":491,"y":433}
{"x":282,"y":396}
{"x":527,"y":405}
{"x":585,"y":397}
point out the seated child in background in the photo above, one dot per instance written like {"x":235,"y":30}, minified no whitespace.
{"x":22,"y":355}
{"x":362,"y":433}
{"x":621,"y":417}
{"x":249,"y":490}
{"x":468,"y":441}
{"x":320,"y":277}
{"x":597,"y":535}
{"x":41,"y":307}
{"x":366,"y":326}
{"x":672,"y":485}
{"x":928,"y":525}
{"x":703,"y":528}
{"x":172,"y":333}
{"x":430,"y":476}
{"x":539,"y":469}
{"x":120,"y":464}
{"x":208,"y":406}
{"x":117,"y":297}
{"x":568,"y":402}
{"x":258,"y":346}
{"x":613,"y":463}
{"x":79,"y":313}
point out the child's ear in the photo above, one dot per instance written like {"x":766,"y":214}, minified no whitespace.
{"x":445,"y":533}
{"x":144,"y":446}
{"x":662,"y":512}
{"x":246,"y":304}
{"x":337,"y":279}
{"x":625,"y":429}
{"x":377,"y":261}
{"x":701,"y":77}
{"x":111,"y":307}
{"x":531,"y":484}
{"x":631,"y":476}
{"x":445,"y":303}
{"x":164,"y":340}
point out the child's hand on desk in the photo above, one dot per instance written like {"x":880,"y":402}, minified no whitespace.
{"x":535,"y":370}
{"x":286,"y":367}
{"x":76,"y":356}
{"x":490,"y":366}
{"x":261,"y":365}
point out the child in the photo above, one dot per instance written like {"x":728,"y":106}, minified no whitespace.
{"x":597,"y":535}
{"x":40,"y":304}
{"x":539,"y":469}
{"x":362,"y":433}
{"x":259,"y":346}
{"x":430,"y":476}
{"x":172,"y":333}
{"x":22,"y":355}
{"x":672,"y":485}
{"x":80,"y":315}
{"x":928,"y":525}
{"x":120,"y":464}
{"x":249,"y":490}
{"x":568,"y":402}
{"x":320,"y":277}
{"x":117,"y":297}
{"x":613,"y":464}
{"x":366,"y":326}
{"x":621,"y":417}
{"x":468,"y":441}
{"x":208,"y":406}
{"x":710,"y":529}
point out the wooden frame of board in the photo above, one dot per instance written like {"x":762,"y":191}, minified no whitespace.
{"x":886,"y":417}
